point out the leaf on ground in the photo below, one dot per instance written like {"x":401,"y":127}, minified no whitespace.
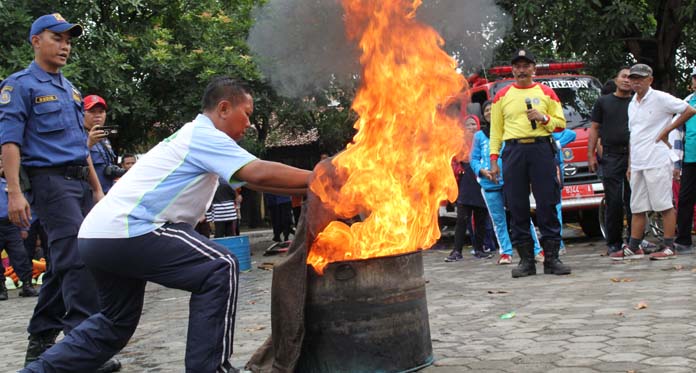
{"x":254,"y":328}
{"x":615,"y":279}
{"x":640,"y":306}
{"x":266,"y":266}
{"x":497,"y":292}
{"x":619,"y":314}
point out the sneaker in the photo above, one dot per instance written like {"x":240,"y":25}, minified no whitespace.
{"x":665,"y":253}
{"x":454,"y":256}
{"x":627,"y":254}
{"x":562,"y":251}
{"x":505,"y":259}
{"x":482,"y":255}
{"x":648,"y":247}
{"x":682,"y":249}
{"x":539,"y":258}
{"x":612,"y":249}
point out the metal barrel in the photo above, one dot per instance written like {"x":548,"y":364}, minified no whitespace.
{"x":367,"y":316}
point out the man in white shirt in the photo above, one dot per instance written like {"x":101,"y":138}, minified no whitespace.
{"x":649,"y":114}
{"x":143,"y":231}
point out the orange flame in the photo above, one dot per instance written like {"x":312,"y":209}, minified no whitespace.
{"x":397,"y":170}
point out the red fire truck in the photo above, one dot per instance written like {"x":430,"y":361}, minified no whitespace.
{"x":583,"y":191}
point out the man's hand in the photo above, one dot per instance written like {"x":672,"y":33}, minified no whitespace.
{"x":95,"y":134}
{"x":592,"y":162}
{"x":23,"y":234}
{"x":533,"y":114}
{"x":18,"y":209}
{"x":628,"y":174}
{"x":676,"y":175}
{"x":494,"y":172}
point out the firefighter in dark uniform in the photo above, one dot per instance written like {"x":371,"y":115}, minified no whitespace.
{"x":41,"y":127}
{"x":524,"y":114}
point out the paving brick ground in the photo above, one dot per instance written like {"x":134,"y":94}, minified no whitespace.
{"x":585,"y":322}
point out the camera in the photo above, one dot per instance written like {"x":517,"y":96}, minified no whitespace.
{"x":112,"y":171}
{"x":110,"y":130}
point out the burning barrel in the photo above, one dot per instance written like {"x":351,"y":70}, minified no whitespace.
{"x":367,"y":315}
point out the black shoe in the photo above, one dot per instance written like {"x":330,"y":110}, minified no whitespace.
{"x":553,"y":265}
{"x":38,"y":343}
{"x":527,"y":265}
{"x":482,"y":255}
{"x":3,"y":291}
{"x":28,"y":290}
{"x":112,"y":365}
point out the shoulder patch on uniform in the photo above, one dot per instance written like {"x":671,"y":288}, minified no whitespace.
{"x":42,"y":99}
{"x":76,"y":95}
{"x":5,"y":96}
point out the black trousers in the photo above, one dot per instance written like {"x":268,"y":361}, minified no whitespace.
{"x":11,"y":241}
{"x":536,"y":165}
{"x":617,"y":196}
{"x":36,"y":231}
{"x":68,"y":294}
{"x":464,"y":213}
{"x":685,"y":208}
{"x":226,"y":228}
{"x":281,"y":219}
{"x":174,"y":256}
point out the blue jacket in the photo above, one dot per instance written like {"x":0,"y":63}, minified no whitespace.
{"x":480,"y":159}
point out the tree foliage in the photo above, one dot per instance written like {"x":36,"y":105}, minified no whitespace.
{"x":609,"y":33}
{"x":150,"y":59}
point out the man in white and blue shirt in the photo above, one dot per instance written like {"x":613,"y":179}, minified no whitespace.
{"x":143,"y":231}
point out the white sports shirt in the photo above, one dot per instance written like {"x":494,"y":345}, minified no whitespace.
{"x":173,"y":183}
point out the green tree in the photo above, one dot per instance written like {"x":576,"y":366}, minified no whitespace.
{"x":150,"y":59}
{"x":609,"y":33}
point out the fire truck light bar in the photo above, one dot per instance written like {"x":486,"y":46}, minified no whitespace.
{"x":543,"y":67}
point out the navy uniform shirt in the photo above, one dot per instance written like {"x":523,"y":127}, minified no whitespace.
{"x":102,"y":156}
{"x":42,"y":113}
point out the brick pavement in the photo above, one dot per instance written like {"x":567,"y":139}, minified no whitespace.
{"x":584,"y":322}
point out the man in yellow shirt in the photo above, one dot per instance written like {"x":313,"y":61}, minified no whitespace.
{"x":523,"y":115}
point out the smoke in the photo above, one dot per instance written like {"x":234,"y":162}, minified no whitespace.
{"x":302,"y":48}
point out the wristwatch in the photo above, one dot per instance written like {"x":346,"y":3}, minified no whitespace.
{"x":546,"y":119}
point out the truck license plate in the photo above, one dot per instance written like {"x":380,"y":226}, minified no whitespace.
{"x":577,"y":191}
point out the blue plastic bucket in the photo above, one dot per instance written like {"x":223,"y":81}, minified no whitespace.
{"x":239,"y":246}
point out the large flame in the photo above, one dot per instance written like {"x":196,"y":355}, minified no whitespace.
{"x":397,"y":170}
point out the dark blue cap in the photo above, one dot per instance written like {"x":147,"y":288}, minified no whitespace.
{"x":56,"y":23}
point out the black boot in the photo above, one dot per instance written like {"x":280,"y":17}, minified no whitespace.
{"x":3,"y":290}
{"x":553,"y":265}
{"x":28,"y":289}
{"x":527,"y":266}
{"x":112,"y":365}
{"x":38,"y":343}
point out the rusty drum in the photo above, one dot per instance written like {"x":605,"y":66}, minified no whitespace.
{"x":367,"y":316}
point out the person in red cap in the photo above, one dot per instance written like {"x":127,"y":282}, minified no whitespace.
{"x":41,"y":127}
{"x":103,"y":156}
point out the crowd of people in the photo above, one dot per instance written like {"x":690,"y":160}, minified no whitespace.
{"x":106,"y":228}
{"x":639,"y":136}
